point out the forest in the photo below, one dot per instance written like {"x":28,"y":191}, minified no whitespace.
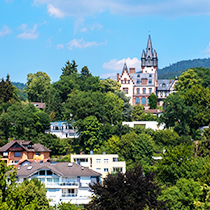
{"x":96,"y":108}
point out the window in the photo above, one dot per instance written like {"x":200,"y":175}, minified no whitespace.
{"x":16,"y":145}
{"x":138,"y":75}
{"x":165,"y":94}
{"x":138,"y":81}
{"x":17,"y":154}
{"x":42,"y":172}
{"x":98,"y":160}
{"x":137,"y":100}
{"x":161,"y":93}
{"x":125,"y":90}
{"x":115,"y":159}
{"x":49,"y":180}
{"x":38,"y":153}
{"x":98,"y":169}
{"x":150,"y":90}
{"x":164,"y":85}
{"x":150,"y":81}
{"x":144,"y":90}
{"x":16,"y":161}
{"x":106,"y":161}
{"x":106,"y":170}
{"x":143,"y":100}
{"x":128,"y":81}
{"x":5,"y":154}
{"x":137,"y":90}
{"x":148,"y":101}
{"x":117,"y":169}
{"x":121,"y":81}
{"x":49,"y":172}
{"x":143,"y":81}
{"x":150,"y":75}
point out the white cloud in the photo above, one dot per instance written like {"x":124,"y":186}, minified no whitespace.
{"x":82,"y":8}
{"x":104,"y":76}
{"x":117,"y":65}
{"x":60,"y":46}
{"x":55,"y":11}
{"x":78,"y":24}
{"x":80,"y":43}
{"x":28,"y":33}
{"x":5,"y":30}
{"x":207,"y":50}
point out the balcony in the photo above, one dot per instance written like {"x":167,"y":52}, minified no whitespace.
{"x":68,"y":185}
{"x":69,"y":195}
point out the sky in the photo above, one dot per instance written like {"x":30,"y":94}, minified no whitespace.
{"x":42,"y":35}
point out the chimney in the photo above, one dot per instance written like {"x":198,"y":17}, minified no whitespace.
{"x":132,"y":70}
{"x":170,"y":81}
{"x":118,"y":76}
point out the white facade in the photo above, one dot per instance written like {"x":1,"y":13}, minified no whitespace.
{"x":62,"y":129}
{"x":60,"y":186}
{"x":146,"y":124}
{"x":101,"y":163}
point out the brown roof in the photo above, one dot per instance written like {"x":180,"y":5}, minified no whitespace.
{"x":153,"y":111}
{"x":23,"y":144}
{"x":59,"y":168}
{"x":38,"y":105}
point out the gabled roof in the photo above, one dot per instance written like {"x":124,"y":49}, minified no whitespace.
{"x":164,"y":84}
{"x":59,"y":168}
{"x":38,"y":105}
{"x":23,"y":144}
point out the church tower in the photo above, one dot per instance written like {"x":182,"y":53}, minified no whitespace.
{"x":149,"y":60}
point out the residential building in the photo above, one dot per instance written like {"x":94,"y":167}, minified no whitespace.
{"x":62,"y":129}
{"x":19,"y":150}
{"x":141,"y":83}
{"x":39,"y":105}
{"x":63,"y":181}
{"x":146,"y":124}
{"x":102,"y":163}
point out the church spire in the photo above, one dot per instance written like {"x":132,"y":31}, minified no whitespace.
{"x":149,"y":53}
{"x":125,"y":67}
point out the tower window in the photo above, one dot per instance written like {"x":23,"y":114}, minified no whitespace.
{"x":137,"y":90}
{"x":150,"y":75}
{"x":138,"y":75}
{"x":125,"y":90}
{"x":138,"y":81}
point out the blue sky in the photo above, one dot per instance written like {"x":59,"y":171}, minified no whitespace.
{"x":41,"y":35}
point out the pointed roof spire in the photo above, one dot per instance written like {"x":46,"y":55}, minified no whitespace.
{"x":149,"y":48}
{"x":143,"y":54}
{"x":125,"y":67}
{"x":155,"y":54}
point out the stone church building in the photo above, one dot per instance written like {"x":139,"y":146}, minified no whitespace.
{"x":139,"y":85}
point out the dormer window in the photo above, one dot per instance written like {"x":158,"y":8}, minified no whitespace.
{"x":164,"y":84}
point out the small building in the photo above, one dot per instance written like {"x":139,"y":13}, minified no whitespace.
{"x":63,"y":181}
{"x":19,"y":150}
{"x":39,"y":105}
{"x":146,"y":124}
{"x":62,"y":129}
{"x":102,"y":163}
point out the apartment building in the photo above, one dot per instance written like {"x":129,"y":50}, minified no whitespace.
{"x":101,"y":163}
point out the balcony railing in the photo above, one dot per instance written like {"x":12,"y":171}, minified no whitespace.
{"x":62,"y":183}
{"x":69,"y":195}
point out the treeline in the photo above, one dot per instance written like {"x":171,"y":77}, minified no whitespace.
{"x":176,"y":69}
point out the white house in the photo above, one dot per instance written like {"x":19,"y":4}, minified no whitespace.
{"x":146,"y":124}
{"x":62,"y":129}
{"x":63,"y":181}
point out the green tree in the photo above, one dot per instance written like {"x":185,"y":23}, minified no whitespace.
{"x":70,"y":68}
{"x":153,"y":101}
{"x":177,"y":114}
{"x":90,"y":136}
{"x":67,"y":206}
{"x":127,"y":108}
{"x":38,"y":87}
{"x":132,"y":190}
{"x":178,"y":162}
{"x":110,"y":85}
{"x":183,"y":195}
{"x":137,"y":112}
{"x":6,"y":90}
{"x":187,"y":80}
{"x":35,"y":192}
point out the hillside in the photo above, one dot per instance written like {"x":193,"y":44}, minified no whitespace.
{"x":20,"y":87}
{"x":176,"y":69}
